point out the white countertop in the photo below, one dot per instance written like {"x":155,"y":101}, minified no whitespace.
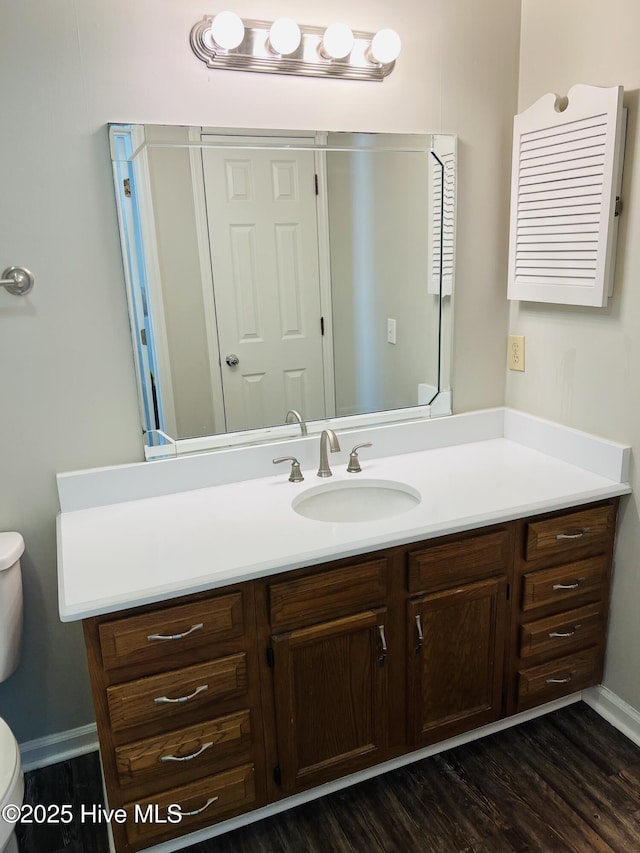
{"x":150,"y":549}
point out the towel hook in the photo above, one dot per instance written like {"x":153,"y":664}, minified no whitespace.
{"x":17,"y":280}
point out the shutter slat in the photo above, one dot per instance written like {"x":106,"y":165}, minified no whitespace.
{"x":557,"y":124}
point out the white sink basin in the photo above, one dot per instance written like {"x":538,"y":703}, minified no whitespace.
{"x":357,"y":500}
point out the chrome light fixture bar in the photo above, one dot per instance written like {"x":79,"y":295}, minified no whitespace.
{"x":284,"y":47}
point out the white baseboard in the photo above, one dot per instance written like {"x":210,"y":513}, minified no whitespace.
{"x":616,"y":711}
{"x":59,"y":747}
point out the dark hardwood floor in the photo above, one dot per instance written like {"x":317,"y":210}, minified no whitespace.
{"x":564,"y":782}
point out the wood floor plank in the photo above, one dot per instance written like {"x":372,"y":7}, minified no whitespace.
{"x":602,"y":801}
{"x":560,"y":827}
{"x":535,"y":818}
{"x":564,"y":783}
{"x":608,"y":748}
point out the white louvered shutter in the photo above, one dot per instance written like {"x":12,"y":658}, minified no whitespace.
{"x":566,"y":177}
{"x":442,"y":168}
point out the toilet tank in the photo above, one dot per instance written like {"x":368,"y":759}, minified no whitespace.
{"x":11,"y":549}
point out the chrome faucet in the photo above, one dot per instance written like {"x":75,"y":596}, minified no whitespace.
{"x":330,"y":436}
{"x":294,"y":415}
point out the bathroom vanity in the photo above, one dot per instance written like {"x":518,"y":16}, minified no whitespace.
{"x":241,"y":666}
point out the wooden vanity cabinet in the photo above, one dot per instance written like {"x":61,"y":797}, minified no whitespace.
{"x":456,"y":632}
{"x":561,"y":603}
{"x":177,"y":698}
{"x":327,"y":637}
{"x":413,"y":655}
{"x":224,"y":701}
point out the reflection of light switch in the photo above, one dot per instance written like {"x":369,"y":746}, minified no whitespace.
{"x":391,"y":331}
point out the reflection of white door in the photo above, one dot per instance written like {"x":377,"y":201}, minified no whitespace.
{"x":261,"y":212}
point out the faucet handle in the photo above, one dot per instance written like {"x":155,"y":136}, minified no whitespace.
{"x":354,"y":463}
{"x":296,"y":474}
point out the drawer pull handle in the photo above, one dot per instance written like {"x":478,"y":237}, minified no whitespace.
{"x":383,"y":643}
{"x":569,"y":585}
{"x":561,"y":680}
{"x":162,"y":700}
{"x":420,"y":634}
{"x":199,"y":811}
{"x":152,"y":637}
{"x":564,"y":634}
{"x":187,"y":757}
{"x":577,"y":535}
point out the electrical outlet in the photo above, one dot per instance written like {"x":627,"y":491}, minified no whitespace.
{"x":391,"y":331}
{"x":516,"y":352}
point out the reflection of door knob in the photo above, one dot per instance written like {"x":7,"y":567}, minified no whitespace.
{"x":232,"y":360}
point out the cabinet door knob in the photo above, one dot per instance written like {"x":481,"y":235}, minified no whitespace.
{"x":575,"y":585}
{"x":195,"y":754}
{"x":561,"y":680}
{"x":577,"y":535}
{"x":420,"y":635}
{"x":383,"y":645}
{"x":199,"y":811}
{"x":163,"y":700}
{"x":152,"y":637}
{"x":564,"y":634}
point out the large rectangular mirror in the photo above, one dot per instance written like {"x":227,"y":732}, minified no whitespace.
{"x":272,"y":275}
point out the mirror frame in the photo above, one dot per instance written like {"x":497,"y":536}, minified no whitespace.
{"x":440,"y":405}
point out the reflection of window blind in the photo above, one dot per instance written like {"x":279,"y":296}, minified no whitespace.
{"x":443,"y":187}
{"x":566,"y":174}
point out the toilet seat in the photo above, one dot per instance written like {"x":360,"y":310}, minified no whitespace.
{"x":11,"y":778}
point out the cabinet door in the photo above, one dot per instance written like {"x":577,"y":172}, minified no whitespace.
{"x":455,"y":659}
{"x":330,"y":685}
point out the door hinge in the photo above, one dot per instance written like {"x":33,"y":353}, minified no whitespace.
{"x":143,"y":337}
{"x":618,"y":208}
{"x":277,"y":775}
{"x":270,"y":660}
{"x":317,"y":185}
{"x":127,"y":187}
{"x":322,"y":325}
{"x":508,"y":591}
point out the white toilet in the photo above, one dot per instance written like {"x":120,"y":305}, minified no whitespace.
{"x":11,"y":777}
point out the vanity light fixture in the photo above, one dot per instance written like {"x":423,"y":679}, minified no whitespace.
{"x":227,"y":41}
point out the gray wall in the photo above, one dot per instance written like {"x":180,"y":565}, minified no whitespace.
{"x":379,"y":270}
{"x":67,"y":380}
{"x":582,"y":364}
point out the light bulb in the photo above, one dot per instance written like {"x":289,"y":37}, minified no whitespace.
{"x":337,"y":41}
{"x":227,"y":30}
{"x":284,"y":36}
{"x":385,"y":46}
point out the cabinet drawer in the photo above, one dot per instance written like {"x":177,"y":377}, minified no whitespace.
{"x":565,"y":533}
{"x":327,"y":594}
{"x":559,"y":677}
{"x":172,"y":694}
{"x":162,"y":633}
{"x":564,"y":631}
{"x":195,"y":749}
{"x":442,"y":566}
{"x":563,"y":583}
{"x":201,"y":802}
